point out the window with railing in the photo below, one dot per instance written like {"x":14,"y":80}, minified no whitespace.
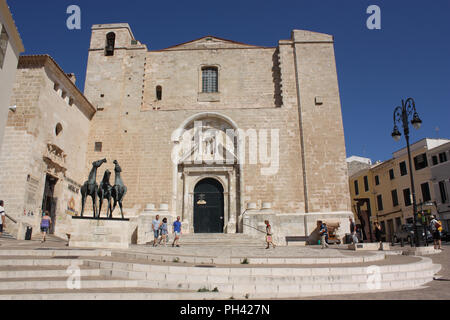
{"x":210,"y":80}
{"x":421,"y":162}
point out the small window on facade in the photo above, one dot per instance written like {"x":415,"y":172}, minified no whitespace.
{"x":159,"y":93}
{"x":63,"y":94}
{"x":443,"y":190}
{"x":407,"y":197}
{"x":442,"y":157}
{"x":4,"y":38}
{"x":56,"y":87}
{"x":110,"y":44}
{"x":366,"y":184}
{"x":421,"y":162}
{"x":98,"y":146}
{"x":435,"y":161}
{"x":71,"y":102}
{"x":377,"y":180}
{"x":210,"y":80}
{"x":426,"y":195}
{"x":403,"y":170}
{"x":58,"y":129}
{"x":394,"y":198}
{"x":356,"y":187}
{"x":398,"y":223}
{"x":380,"y":202}
{"x":391,"y":174}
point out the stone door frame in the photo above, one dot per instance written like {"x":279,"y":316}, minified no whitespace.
{"x":190,"y":176}
{"x":185,"y":178}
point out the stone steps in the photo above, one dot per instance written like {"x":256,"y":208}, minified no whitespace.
{"x":270,"y":282}
{"x":34,"y":272}
{"x":198,"y":259}
{"x":41,"y":274}
{"x":7,"y":235}
{"x":53,"y":252}
{"x":220,"y":239}
{"x":110,"y":294}
{"x":91,"y":282}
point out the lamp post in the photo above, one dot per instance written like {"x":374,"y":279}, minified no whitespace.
{"x":401,"y":116}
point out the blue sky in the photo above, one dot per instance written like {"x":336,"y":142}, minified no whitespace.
{"x":408,"y":57}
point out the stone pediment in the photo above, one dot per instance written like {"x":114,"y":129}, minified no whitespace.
{"x":210,"y":42}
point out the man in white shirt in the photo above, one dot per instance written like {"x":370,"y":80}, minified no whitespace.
{"x":3,"y":217}
{"x":155,"y":227}
{"x":434,"y":226}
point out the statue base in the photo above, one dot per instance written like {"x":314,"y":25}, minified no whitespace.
{"x":102,"y":233}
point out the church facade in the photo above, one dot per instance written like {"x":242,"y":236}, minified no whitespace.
{"x":223,"y":134}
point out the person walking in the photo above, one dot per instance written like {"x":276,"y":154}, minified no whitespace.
{"x":177,"y":232}
{"x":2,"y":217}
{"x":45,"y":225}
{"x":155,"y":227}
{"x":164,"y":232}
{"x":378,"y":234}
{"x":323,"y":232}
{"x":353,"y":231}
{"x":435,"y":225}
{"x":269,"y":235}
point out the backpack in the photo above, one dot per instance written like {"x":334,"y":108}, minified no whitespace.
{"x":439,"y":226}
{"x":435,"y":225}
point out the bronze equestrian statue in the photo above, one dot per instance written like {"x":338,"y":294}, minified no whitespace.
{"x":119,"y":190}
{"x":104,"y":192}
{"x":90,"y":187}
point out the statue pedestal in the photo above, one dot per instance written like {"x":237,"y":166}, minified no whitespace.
{"x":100,"y":233}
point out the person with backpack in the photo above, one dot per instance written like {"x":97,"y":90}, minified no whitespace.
{"x":435,"y":225}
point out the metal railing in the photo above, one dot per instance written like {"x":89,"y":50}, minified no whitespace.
{"x":11,"y":218}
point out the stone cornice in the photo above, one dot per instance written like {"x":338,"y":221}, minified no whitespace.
{"x":10,"y":26}
{"x":39,"y":61}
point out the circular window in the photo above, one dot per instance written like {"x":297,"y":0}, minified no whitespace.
{"x":58,"y":129}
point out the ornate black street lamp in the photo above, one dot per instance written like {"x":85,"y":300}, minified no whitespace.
{"x":401,"y":116}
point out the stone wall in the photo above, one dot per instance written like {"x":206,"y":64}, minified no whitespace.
{"x":32,"y":149}
{"x":259,"y":88}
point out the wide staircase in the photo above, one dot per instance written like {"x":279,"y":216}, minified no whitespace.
{"x":63,"y":273}
{"x":7,"y":235}
{"x":226,"y":240}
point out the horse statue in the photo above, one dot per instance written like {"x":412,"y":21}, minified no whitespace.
{"x":90,"y":187}
{"x":104,"y":192}
{"x":119,"y":190}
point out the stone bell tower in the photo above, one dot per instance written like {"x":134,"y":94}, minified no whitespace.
{"x":114,"y":85}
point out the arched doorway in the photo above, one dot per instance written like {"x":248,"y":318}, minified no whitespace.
{"x":208,"y":207}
